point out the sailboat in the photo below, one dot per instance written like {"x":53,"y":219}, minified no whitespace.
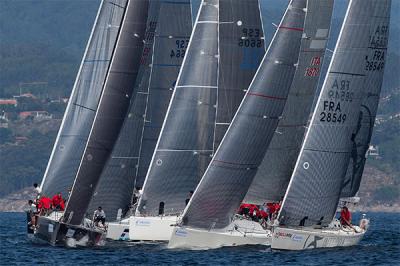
{"x":169,"y":25}
{"x":223,"y":54}
{"x":354,"y":78}
{"x":100,"y":127}
{"x":209,"y":220}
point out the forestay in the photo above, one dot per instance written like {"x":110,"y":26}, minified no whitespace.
{"x":167,"y":35}
{"x":223,"y":54}
{"x":235,"y":163}
{"x":112,"y":108}
{"x":79,"y":115}
{"x":374,"y":66}
{"x":316,"y":183}
{"x":273,"y":175}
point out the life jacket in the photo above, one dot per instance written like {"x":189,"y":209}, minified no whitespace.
{"x":346,"y":215}
{"x":56,"y":200}
{"x":263,"y":214}
{"x":45,"y":203}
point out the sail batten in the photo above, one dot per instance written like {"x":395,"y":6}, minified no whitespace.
{"x":316,"y":183}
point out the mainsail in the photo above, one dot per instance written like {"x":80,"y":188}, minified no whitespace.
{"x":374,"y":65}
{"x":110,"y":114}
{"x":235,"y":163}
{"x":273,"y":175}
{"x":79,"y":115}
{"x":223,"y":54}
{"x":316,"y":183}
{"x":168,"y":31}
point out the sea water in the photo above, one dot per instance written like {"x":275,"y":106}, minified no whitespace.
{"x":380,"y":246}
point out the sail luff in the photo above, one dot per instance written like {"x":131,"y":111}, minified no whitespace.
{"x":234,"y":165}
{"x":110,"y":114}
{"x":316,"y":183}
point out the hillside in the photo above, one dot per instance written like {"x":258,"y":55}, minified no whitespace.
{"x":45,"y":42}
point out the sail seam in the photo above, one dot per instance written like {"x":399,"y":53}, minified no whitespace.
{"x":290,"y":28}
{"x":347,"y":73}
{"x":84,"y":107}
{"x":266,"y":96}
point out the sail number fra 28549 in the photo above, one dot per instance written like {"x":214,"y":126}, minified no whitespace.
{"x":332,"y":110}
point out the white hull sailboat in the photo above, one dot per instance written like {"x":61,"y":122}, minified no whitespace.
{"x":308,"y":238}
{"x":206,"y":222}
{"x":317,"y":181}
{"x":214,"y":73}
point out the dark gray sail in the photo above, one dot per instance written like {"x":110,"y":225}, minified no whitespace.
{"x":374,"y":65}
{"x":168,"y":32}
{"x":241,"y":49}
{"x":79,"y":115}
{"x":235,"y":163}
{"x":113,"y":105}
{"x":203,"y":101}
{"x":316,"y":183}
{"x":273,"y":175}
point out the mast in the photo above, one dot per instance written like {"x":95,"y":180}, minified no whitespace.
{"x":112,"y":108}
{"x":75,"y":127}
{"x":314,"y":189}
{"x":168,"y":31}
{"x":215,"y":72}
{"x":273,"y":174}
{"x":235,"y":163}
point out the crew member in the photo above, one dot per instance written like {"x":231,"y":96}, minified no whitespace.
{"x":345,"y":217}
{"x":99,"y":216}
{"x":44,"y":205}
{"x":58,"y":202}
{"x":32,"y":211}
{"x":36,"y":189}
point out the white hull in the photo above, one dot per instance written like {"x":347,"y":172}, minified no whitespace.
{"x":118,"y":230}
{"x":244,"y":233}
{"x":150,"y":228}
{"x":309,"y":238}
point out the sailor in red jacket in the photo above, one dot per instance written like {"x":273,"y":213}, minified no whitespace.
{"x":345,"y":217}
{"x":58,"y":202}
{"x":44,"y":205}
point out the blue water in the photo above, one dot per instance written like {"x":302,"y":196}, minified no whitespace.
{"x":381,"y":246}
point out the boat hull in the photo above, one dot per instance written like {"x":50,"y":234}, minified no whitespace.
{"x":118,"y":230}
{"x":189,"y":238}
{"x":56,"y":233}
{"x":151,"y":228}
{"x":308,"y":238}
